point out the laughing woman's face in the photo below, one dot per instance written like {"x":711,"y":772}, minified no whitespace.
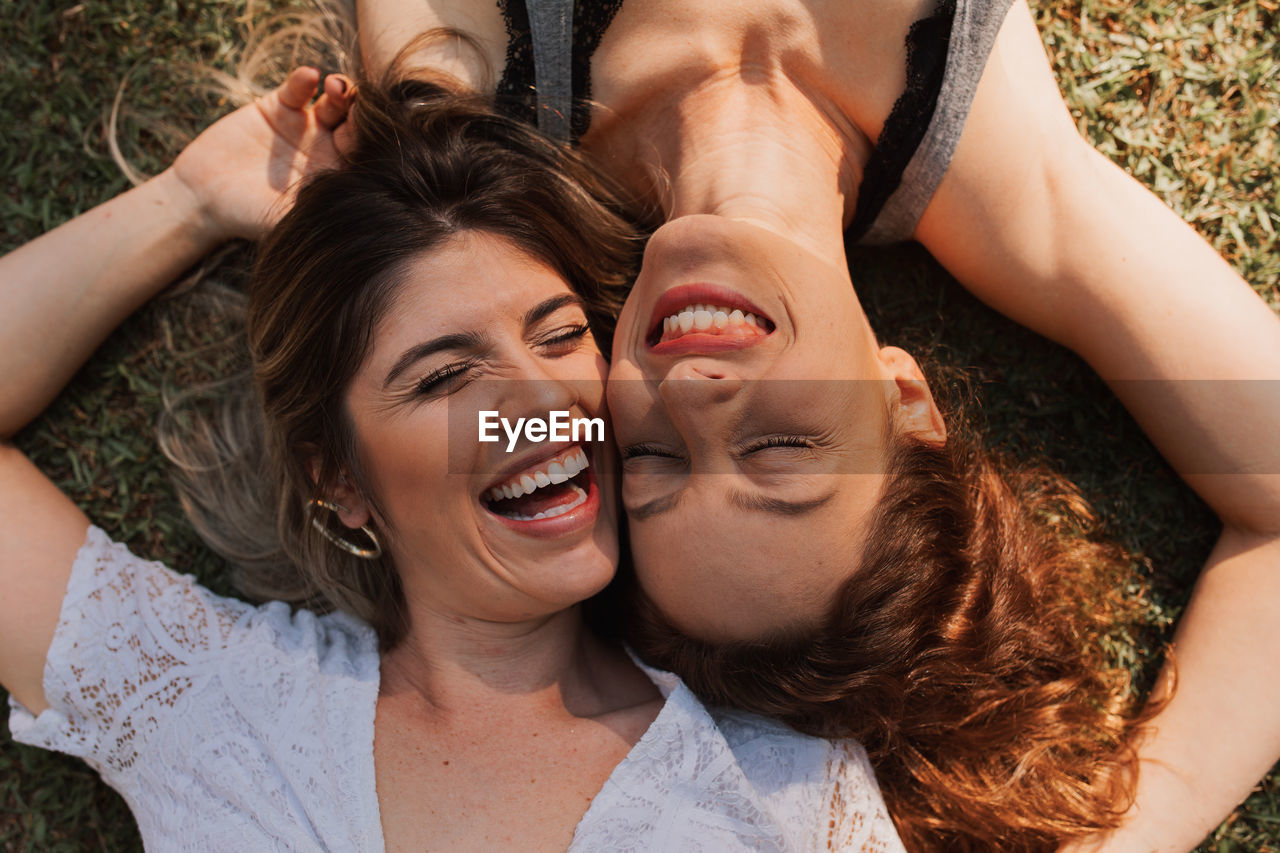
{"x":477,"y":531}
{"x":754,"y":412}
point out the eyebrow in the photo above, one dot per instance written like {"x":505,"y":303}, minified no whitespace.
{"x":547,"y":307}
{"x":472,"y":340}
{"x":748,"y":501}
{"x":456,"y":341}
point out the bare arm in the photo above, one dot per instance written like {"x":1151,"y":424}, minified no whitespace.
{"x":1049,"y":232}
{"x":61,"y":294}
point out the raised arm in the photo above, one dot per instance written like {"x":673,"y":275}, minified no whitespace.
{"x":1048,"y":231}
{"x":61,"y":294}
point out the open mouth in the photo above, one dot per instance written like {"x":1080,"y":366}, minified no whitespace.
{"x":705,"y":319}
{"x":546,"y":490}
{"x":703,"y":316}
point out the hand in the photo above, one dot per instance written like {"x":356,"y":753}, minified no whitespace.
{"x":243,"y":170}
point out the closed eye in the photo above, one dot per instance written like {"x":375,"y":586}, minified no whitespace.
{"x":446,"y":380}
{"x":565,"y":340}
{"x":778,"y":441}
{"x":635,"y":451}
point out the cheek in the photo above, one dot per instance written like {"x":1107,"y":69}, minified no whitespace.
{"x":596,"y":369}
{"x":417,"y":475}
{"x":626,"y":392}
{"x":623,"y":333}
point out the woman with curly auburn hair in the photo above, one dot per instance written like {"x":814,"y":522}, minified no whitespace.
{"x":963,"y":654}
{"x":773,"y":513}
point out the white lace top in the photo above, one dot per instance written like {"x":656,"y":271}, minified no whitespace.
{"x":227,"y":726}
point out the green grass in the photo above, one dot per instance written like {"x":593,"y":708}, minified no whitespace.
{"x":1185,"y":96}
{"x":59,"y":71}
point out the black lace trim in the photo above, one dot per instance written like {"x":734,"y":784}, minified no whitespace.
{"x":904,"y":129}
{"x":515,"y":94}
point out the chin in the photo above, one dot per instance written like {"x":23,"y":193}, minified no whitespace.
{"x":589,"y":578}
{"x":570,"y":578}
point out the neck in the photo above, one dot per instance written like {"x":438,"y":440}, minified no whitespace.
{"x":761,"y":151}
{"x":552,"y":665}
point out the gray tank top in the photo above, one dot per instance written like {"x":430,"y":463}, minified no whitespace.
{"x":946,"y":55}
{"x":973,"y":32}
{"x":551,"y":24}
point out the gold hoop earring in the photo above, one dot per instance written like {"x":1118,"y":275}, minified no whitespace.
{"x":363,"y":553}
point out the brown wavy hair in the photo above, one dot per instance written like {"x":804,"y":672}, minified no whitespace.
{"x":964,"y":653}
{"x":427,"y":163}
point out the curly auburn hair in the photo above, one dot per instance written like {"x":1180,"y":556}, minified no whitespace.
{"x":964,"y":654}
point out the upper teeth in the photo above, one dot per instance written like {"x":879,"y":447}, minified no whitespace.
{"x":558,"y":471}
{"x":701,"y":317}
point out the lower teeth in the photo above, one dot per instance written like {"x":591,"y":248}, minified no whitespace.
{"x":555,"y":511}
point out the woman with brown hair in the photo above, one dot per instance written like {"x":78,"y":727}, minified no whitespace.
{"x":815,"y":540}
{"x":455,"y":697}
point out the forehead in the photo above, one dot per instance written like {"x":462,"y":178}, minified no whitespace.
{"x":721,"y":573}
{"x":729,"y":514}
{"x":472,"y":277}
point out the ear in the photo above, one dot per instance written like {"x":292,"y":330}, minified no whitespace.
{"x":913,"y":408}
{"x":353,"y":509}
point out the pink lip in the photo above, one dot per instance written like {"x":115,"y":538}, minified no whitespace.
{"x":678,"y":297}
{"x":695,"y":343}
{"x":579,"y":518}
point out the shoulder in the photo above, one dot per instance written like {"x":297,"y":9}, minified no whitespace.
{"x":824,"y":792}
{"x":743,"y":782}
{"x":224,"y":724}
{"x":765,"y":747}
{"x":768,"y":743}
{"x":142,"y":655}
{"x":108,"y":582}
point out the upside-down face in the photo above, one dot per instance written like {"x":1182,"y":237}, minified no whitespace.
{"x":753,"y":409}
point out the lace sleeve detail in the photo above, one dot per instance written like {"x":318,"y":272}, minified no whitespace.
{"x":859,"y":819}
{"x":132,"y":638}
{"x":224,"y":725}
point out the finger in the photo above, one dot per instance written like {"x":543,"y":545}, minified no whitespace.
{"x":296,"y":91}
{"x":338,"y":86}
{"x":333,"y":104}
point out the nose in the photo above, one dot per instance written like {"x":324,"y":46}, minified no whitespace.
{"x":531,"y":391}
{"x":693,"y":384}
{"x":700,"y":397}
{"x":538,"y":388}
